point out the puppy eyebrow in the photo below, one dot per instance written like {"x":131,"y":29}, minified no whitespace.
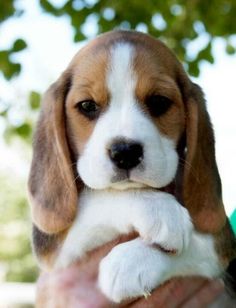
{"x":83,"y":82}
{"x":156,"y":85}
{"x":165,"y":82}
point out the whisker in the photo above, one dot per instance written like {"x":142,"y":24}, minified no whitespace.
{"x":74,"y":180}
{"x":184,"y":163}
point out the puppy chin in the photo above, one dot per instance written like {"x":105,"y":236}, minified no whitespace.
{"x":127,"y":184}
{"x":152,"y":181}
{"x":120,"y":185}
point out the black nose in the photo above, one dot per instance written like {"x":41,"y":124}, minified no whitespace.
{"x":126,"y":155}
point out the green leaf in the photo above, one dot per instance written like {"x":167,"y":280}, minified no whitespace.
{"x":18,"y":45}
{"x":48,"y":7}
{"x":193,"y":68}
{"x":10,"y":70}
{"x":79,"y":36}
{"x":230,"y":49}
{"x":34,"y":100}
{"x":206,"y":54}
{"x":4,"y":113}
{"x":24,"y":130}
{"x":7,"y":9}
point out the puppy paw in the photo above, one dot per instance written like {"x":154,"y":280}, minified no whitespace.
{"x":174,"y":232}
{"x":130,"y":270}
{"x":166,"y":223}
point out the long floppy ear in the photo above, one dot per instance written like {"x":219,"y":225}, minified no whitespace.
{"x":52,"y":188}
{"x":202,"y":194}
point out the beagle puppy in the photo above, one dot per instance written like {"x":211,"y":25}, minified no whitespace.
{"x":124,"y":143}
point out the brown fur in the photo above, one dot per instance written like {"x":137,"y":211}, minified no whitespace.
{"x":51,"y":183}
{"x":62,"y":133}
{"x":202,"y":193}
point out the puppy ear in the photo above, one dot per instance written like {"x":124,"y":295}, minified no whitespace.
{"x":202,"y":194}
{"x":52,"y":189}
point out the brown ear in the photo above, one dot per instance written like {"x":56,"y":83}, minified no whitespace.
{"x":202,"y":194}
{"x":52,"y":188}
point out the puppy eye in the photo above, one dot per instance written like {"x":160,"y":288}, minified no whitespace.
{"x":88,"y":108}
{"x":158,"y":105}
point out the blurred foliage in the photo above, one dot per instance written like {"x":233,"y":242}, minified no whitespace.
{"x":16,"y":260}
{"x":180,"y":24}
{"x":176,"y":22}
{"x":8,"y":67}
{"x":23,"y":128}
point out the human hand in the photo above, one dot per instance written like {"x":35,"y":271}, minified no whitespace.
{"x":76,"y":286}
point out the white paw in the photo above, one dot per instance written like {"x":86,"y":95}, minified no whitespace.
{"x":167,"y":224}
{"x":130,"y":270}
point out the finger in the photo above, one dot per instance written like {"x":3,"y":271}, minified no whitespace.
{"x":172,"y":294}
{"x":63,"y":290}
{"x":206,"y":295}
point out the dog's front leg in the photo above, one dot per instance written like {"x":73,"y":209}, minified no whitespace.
{"x":135,"y":268}
{"x":161,"y":220}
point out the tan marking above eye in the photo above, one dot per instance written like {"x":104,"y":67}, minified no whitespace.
{"x":146,"y":87}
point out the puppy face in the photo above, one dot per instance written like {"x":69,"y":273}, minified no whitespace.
{"x":125,"y":114}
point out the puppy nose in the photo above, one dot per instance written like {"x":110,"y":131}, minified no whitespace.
{"x":126,"y":155}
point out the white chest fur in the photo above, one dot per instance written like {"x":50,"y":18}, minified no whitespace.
{"x":159,"y":219}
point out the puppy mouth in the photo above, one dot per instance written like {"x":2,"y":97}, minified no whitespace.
{"x":120,"y":176}
{"x":123,"y":180}
{"x":127,"y":184}
{"x":128,"y":179}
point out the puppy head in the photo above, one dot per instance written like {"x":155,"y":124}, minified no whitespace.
{"x":123,"y":114}
{"x":128,"y":107}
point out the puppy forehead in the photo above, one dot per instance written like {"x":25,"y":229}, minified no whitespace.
{"x":90,"y":65}
{"x":149,"y":56}
{"x":121,"y":78}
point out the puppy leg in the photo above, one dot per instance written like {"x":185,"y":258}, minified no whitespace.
{"x":160,"y":219}
{"x":156,"y":216}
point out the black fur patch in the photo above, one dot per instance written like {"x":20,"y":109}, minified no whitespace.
{"x":44,"y":243}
